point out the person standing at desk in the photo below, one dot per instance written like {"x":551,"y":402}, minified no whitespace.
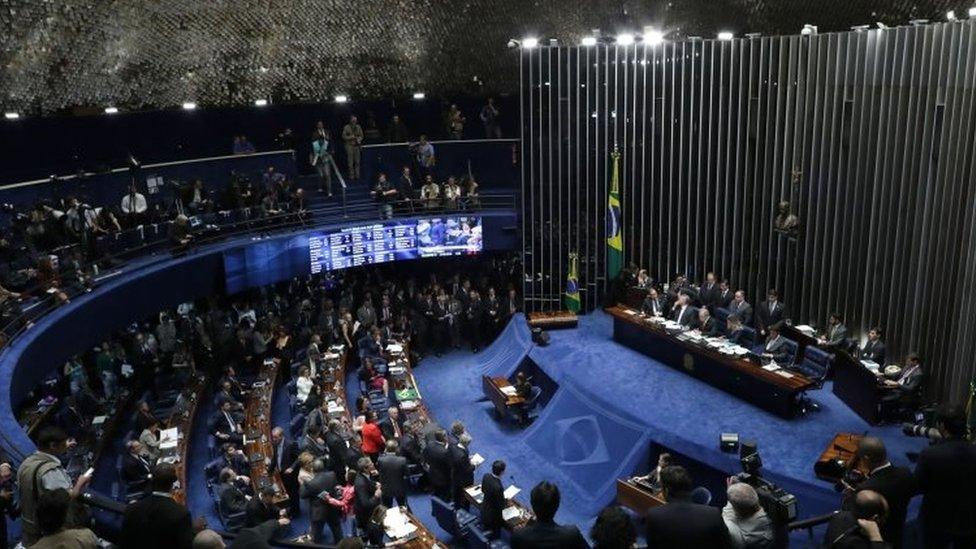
{"x":653,"y":304}
{"x":874,"y":348}
{"x":836,"y":336}
{"x":725,"y":294}
{"x":708,"y":292}
{"x":770,"y":312}
{"x":741,"y":308}
{"x":494,"y":498}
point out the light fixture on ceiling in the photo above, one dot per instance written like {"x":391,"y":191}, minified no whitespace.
{"x":189,"y":106}
{"x":588,"y":41}
{"x":808,"y":29}
{"x":625,"y":39}
{"x":11,"y":115}
{"x":653,"y":37}
{"x":341,"y":99}
{"x":725,"y":35}
{"x":111,"y":110}
{"x":530,"y":42}
{"x":951,"y":15}
{"x":419,"y":95}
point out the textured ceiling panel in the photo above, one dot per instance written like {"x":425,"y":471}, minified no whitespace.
{"x":159,"y":53}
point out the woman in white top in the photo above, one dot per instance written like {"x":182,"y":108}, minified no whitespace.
{"x":303,"y":385}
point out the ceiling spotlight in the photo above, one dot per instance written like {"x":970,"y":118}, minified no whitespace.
{"x":341,"y":99}
{"x":881,"y":25}
{"x":625,"y":39}
{"x":530,"y":42}
{"x":725,"y":35}
{"x":653,"y":37}
{"x":419,"y":95}
{"x":11,"y":115}
{"x":111,"y":110}
{"x":972,"y":11}
{"x":588,"y":41}
{"x":808,"y":30}
{"x":950,"y":15}
{"x":189,"y":106}
{"x":260,"y":102}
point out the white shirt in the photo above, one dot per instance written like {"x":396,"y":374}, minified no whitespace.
{"x":134,"y":203}
{"x":303,"y":386}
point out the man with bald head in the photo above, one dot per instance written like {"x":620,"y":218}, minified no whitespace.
{"x":859,"y":527}
{"x":896,"y":484}
{"x":208,"y":539}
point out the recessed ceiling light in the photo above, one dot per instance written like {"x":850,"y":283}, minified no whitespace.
{"x":725,"y":35}
{"x":625,"y":39}
{"x":341,"y":99}
{"x":189,"y":106}
{"x":111,"y":110}
{"x":260,"y":102}
{"x":11,"y":115}
{"x":419,"y":95}
{"x":588,"y":41}
{"x":530,"y":42}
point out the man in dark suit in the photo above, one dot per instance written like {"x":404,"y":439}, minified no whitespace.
{"x":312,"y":442}
{"x":946,"y":476}
{"x":683,"y":313}
{"x":367,"y":491}
{"x":336,"y":446}
{"x":544,"y":533}
{"x":653,"y":304}
{"x":859,"y":527}
{"x":392,"y":426}
{"x":462,"y":473}
{"x":770,"y":312}
{"x":135,"y":467}
{"x":410,"y":446}
{"x":776,"y":347}
{"x":438,"y":459}
{"x":393,"y":475}
{"x":741,"y":308}
{"x":874,"y":348}
{"x":261,"y":508}
{"x":156,"y":521}
{"x":284,"y":458}
{"x":895,"y":484}
{"x":232,"y":499}
{"x":902,"y":394}
{"x":725,"y":294}
{"x":320,"y":512}
{"x":708,"y":292}
{"x":257,"y":537}
{"x":835,"y":338}
{"x":707,"y":326}
{"x":224,"y":426}
{"x":680,"y":523}
{"x":494,"y":498}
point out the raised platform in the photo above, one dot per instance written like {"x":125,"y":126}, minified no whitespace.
{"x":613,"y":404}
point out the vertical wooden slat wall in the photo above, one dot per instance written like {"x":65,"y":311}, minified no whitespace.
{"x":870,"y":135}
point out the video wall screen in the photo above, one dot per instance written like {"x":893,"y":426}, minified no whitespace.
{"x":269,"y":261}
{"x":394,"y":241}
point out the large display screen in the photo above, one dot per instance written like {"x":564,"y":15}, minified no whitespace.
{"x":268,"y":261}
{"x":394,"y":241}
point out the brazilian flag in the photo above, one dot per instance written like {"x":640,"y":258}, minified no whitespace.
{"x":572,"y":297}
{"x":615,"y":236}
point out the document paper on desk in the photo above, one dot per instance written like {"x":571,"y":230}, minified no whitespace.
{"x":477,"y":460}
{"x":397,"y":525}
{"x":475,"y":493}
{"x":511,"y":491}
{"x":510,"y":512}
{"x":508,"y":390}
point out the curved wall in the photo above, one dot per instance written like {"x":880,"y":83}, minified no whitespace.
{"x":135,"y":293}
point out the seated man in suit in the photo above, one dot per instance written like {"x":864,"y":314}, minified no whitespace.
{"x":741,"y":308}
{"x":860,"y":526}
{"x":835,"y":338}
{"x":681,"y":524}
{"x":896,"y":484}
{"x":224,"y":426}
{"x":494,"y":499}
{"x":226,"y":394}
{"x":776,"y":347}
{"x":901,"y":392}
{"x":770,"y":312}
{"x":653,"y":304}
{"x":544,"y":533}
{"x":235,"y":459}
{"x":735,"y":331}
{"x":392,"y":426}
{"x":231,"y":497}
{"x":683,"y":313}
{"x":261,"y":508}
{"x":136,"y":468}
{"x":707,"y":326}
{"x":874,"y":348}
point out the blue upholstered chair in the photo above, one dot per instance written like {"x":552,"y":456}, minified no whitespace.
{"x":453,"y":521}
{"x":815,"y":364}
{"x":478,"y":539}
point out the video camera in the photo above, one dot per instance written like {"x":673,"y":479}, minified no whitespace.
{"x":779,"y":504}
{"x":921,"y":431}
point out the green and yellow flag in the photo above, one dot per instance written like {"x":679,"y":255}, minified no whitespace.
{"x":572,"y":297}
{"x":615,"y":236}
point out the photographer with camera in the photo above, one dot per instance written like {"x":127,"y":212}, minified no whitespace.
{"x":895,"y":484}
{"x":749,"y":525}
{"x":946,"y":476}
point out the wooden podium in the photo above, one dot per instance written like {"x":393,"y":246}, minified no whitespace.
{"x":552,"y":320}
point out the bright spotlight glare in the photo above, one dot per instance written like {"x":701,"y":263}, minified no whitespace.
{"x":260,"y":102}
{"x":111,"y":110}
{"x":530,"y":42}
{"x":341,"y":99}
{"x":725,"y":35}
{"x":11,"y":115}
{"x":419,"y":95}
{"x":972,"y":11}
{"x":951,"y":15}
{"x":653,"y":37}
{"x":588,"y":41}
{"x":189,"y":106}
{"x":625,"y":39}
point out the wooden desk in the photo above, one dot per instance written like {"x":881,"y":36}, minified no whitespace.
{"x":257,"y":431}
{"x":636,"y":497}
{"x":552,"y":320}
{"x":857,"y":387}
{"x":183,"y":421}
{"x":739,"y":376}
{"x":493,"y":389}
{"x":331,"y":378}
{"x":412,"y":410}
{"x":839,"y":456}
{"x":524,"y":517}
